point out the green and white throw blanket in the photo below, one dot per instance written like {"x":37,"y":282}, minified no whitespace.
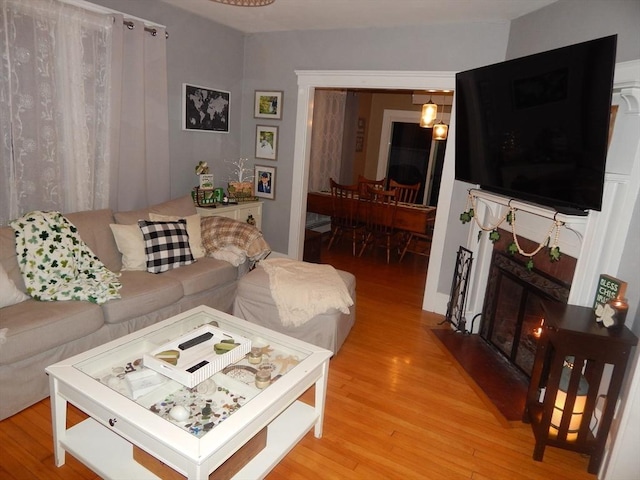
{"x":56,"y":264}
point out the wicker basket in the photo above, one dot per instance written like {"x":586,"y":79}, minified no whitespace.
{"x":203,"y":198}
{"x":241,"y":192}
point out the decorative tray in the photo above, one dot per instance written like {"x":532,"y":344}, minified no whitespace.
{"x":191,"y":365}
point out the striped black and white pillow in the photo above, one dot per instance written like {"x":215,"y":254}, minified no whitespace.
{"x":166,"y":245}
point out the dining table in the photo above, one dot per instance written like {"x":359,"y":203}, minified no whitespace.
{"x":409,"y":217}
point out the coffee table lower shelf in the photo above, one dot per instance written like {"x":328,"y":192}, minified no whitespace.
{"x":96,"y":446}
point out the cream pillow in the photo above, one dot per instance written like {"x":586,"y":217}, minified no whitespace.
{"x":193,"y":229}
{"x":130,"y":244}
{"x":9,"y":293}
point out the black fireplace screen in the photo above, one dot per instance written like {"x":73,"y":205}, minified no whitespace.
{"x":512,"y":309}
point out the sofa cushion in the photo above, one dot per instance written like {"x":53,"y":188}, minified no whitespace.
{"x":166,"y":245}
{"x":34,"y":327}
{"x":182,"y":207}
{"x":193,"y":229}
{"x":205,"y":274}
{"x":9,"y":294}
{"x":131,"y":245}
{"x":8,"y":257}
{"x":141,"y":293}
{"x":93,"y":227}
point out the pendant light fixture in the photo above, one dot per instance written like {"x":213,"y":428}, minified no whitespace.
{"x":429,"y":114}
{"x":245,"y":3}
{"x":440,"y":131}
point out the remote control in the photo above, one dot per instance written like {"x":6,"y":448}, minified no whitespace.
{"x":197,"y":366}
{"x":195,"y":341}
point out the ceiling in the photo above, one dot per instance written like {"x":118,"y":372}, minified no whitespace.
{"x":284,"y":15}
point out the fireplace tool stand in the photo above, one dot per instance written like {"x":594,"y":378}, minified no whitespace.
{"x":457,"y":299}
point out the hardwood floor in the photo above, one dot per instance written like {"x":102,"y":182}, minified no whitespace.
{"x":398,"y":406}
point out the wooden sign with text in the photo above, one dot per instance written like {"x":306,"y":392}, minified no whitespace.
{"x":609,"y":287}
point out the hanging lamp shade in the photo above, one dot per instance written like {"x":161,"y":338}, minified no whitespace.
{"x":440,"y":131}
{"x":428,"y":115}
{"x":246,"y":3}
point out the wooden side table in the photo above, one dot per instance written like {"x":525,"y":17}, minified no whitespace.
{"x":572,"y":336}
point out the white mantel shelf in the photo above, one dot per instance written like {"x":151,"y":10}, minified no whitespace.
{"x":532,"y":208}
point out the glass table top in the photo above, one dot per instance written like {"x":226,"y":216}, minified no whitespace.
{"x":199,"y":409}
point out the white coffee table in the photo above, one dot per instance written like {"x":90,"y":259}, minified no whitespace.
{"x":93,"y":381}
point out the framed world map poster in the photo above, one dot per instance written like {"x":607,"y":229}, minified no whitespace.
{"x":205,"y":109}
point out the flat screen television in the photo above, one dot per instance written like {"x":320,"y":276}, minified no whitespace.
{"x":536,"y":128}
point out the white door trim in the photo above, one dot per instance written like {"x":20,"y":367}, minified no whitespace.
{"x":308,"y":81}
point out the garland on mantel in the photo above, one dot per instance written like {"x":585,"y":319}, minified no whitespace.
{"x":514,"y":247}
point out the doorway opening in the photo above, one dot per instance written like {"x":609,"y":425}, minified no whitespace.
{"x":308,"y":81}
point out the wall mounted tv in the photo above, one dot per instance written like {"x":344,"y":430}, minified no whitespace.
{"x":536,"y":128}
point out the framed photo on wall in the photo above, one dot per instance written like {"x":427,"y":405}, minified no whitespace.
{"x":268,"y":104}
{"x":205,"y":109}
{"x":265,"y":182}
{"x":266,"y":142}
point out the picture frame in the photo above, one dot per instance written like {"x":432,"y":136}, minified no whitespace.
{"x":205,"y":109}
{"x":267,"y":142}
{"x":268,"y":104}
{"x":206,"y":181}
{"x":264,"y":182}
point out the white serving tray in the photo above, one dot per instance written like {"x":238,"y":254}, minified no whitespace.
{"x":193,"y":356}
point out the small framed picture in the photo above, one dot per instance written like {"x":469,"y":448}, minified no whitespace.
{"x":265,"y":182}
{"x":266,"y":142}
{"x":268,"y":104}
{"x":206,"y":181}
{"x":205,"y":109}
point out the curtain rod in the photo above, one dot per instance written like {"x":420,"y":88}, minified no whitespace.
{"x":131,"y":25}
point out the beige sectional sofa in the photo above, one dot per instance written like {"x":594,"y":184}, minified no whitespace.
{"x":39,"y":334}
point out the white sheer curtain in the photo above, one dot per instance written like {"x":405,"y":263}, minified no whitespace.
{"x":326,"y":138}
{"x":83,"y":110}
{"x":54,"y":90}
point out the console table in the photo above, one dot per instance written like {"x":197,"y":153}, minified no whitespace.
{"x":240,"y":212}
{"x":567,"y":381}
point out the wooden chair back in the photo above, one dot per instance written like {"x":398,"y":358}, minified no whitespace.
{"x":405,"y":193}
{"x":364,"y":181}
{"x":344,"y":203}
{"x":381,"y":208}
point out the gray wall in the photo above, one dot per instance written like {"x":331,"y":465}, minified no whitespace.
{"x":571,"y":21}
{"x":271,"y":60}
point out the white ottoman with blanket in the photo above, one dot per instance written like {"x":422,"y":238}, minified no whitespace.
{"x":311,"y":302}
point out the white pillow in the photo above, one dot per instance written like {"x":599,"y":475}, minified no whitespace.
{"x":9,"y":293}
{"x":193,"y":229}
{"x":130,"y":244}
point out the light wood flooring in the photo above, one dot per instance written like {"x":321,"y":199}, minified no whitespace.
{"x":398,"y":406}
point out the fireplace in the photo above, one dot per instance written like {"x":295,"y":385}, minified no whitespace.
{"x":512,"y":307}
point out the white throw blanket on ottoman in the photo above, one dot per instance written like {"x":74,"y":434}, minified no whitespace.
{"x":303,"y":290}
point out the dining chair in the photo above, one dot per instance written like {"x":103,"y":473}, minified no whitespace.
{"x":405,"y":193}
{"x":344,"y":213}
{"x":380,"y":208}
{"x":421,"y":241}
{"x":364,"y":181}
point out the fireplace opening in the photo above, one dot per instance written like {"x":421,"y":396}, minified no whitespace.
{"x":512,"y":309}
